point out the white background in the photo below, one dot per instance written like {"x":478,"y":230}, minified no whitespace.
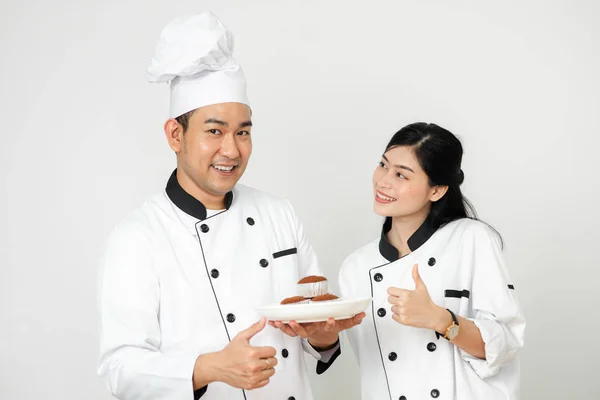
{"x":330,"y":82}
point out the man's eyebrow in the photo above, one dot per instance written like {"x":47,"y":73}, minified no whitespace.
{"x":223,"y":123}
{"x":215,"y":121}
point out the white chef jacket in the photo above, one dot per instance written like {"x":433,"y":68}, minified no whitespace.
{"x":462,"y":266}
{"x":175,"y":284}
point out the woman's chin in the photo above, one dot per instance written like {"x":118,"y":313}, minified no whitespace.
{"x":383,"y":210}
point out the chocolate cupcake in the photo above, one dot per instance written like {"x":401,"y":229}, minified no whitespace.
{"x":324,"y":297}
{"x":294,"y":300}
{"x":312,"y":286}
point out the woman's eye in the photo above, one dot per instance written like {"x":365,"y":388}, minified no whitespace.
{"x":381,"y":164}
{"x":399,"y":175}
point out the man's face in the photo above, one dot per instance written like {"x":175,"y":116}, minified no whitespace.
{"x":213,"y":152}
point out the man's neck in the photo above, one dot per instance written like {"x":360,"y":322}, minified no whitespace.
{"x":403,"y":228}
{"x":210,"y":201}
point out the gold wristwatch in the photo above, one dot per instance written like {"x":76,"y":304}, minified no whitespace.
{"x":453,"y":329}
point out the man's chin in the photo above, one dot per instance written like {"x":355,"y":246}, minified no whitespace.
{"x":222,"y":188}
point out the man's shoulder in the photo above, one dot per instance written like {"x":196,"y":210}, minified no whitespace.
{"x":248,"y":194}
{"x":140,"y":221}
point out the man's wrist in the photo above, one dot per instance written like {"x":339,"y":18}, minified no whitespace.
{"x":205,"y":371}
{"x":324,"y":345}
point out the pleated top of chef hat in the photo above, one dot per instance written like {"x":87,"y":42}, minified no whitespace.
{"x":195,"y":55}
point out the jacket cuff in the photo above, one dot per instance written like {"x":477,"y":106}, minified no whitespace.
{"x":328,"y":357}
{"x":200,"y":392}
{"x":325,"y":358}
{"x":494,"y":337}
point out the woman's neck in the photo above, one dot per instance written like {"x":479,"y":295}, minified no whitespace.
{"x":403,"y":228}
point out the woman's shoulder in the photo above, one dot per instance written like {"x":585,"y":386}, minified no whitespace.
{"x":364,"y":256}
{"x":467,"y":229}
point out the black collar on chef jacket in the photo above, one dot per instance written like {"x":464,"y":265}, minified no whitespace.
{"x":188,"y":203}
{"x":421,"y":235}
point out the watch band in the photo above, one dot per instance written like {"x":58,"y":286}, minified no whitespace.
{"x":453,"y":317}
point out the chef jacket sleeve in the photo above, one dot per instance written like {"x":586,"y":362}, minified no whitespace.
{"x":307,"y":259}
{"x":308,"y":265}
{"x":324,"y":358}
{"x":347,"y":282}
{"x":495,"y":307}
{"x":131,"y":364}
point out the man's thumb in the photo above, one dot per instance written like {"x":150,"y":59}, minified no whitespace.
{"x":248,"y":333}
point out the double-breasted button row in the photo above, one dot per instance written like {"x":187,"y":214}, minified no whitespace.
{"x":434,"y":393}
{"x":215,"y":272}
{"x":430,"y":346}
{"x":264,"y":263}
{"x":204,"y":227}
{"x":378,"y":277}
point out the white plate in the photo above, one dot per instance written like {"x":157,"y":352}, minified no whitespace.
{"x":315,"y":312}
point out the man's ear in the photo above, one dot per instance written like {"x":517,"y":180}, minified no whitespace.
{"x":174,"y":133}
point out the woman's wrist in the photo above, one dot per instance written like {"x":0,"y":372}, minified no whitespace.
{"x":441,"y":320}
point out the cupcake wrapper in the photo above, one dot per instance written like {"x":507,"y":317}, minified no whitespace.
{"x":305,"y":301}
{"x":312,"y":289}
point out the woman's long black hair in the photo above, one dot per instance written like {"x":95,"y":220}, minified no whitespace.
{"x":439,"y":153}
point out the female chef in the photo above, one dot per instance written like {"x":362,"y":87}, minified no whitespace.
{"x":445,"y":322}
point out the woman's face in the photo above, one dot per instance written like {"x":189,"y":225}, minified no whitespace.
{"x":401,"y":187}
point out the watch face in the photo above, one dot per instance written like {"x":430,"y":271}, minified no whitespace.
{"x":453,"y":332}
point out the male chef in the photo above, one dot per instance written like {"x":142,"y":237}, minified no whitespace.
{"x":183,"y":273}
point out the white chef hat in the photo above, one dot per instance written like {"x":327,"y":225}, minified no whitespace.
{"x":195,"y":54}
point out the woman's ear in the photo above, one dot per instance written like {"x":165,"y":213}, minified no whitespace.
{"x":437,"y":192}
